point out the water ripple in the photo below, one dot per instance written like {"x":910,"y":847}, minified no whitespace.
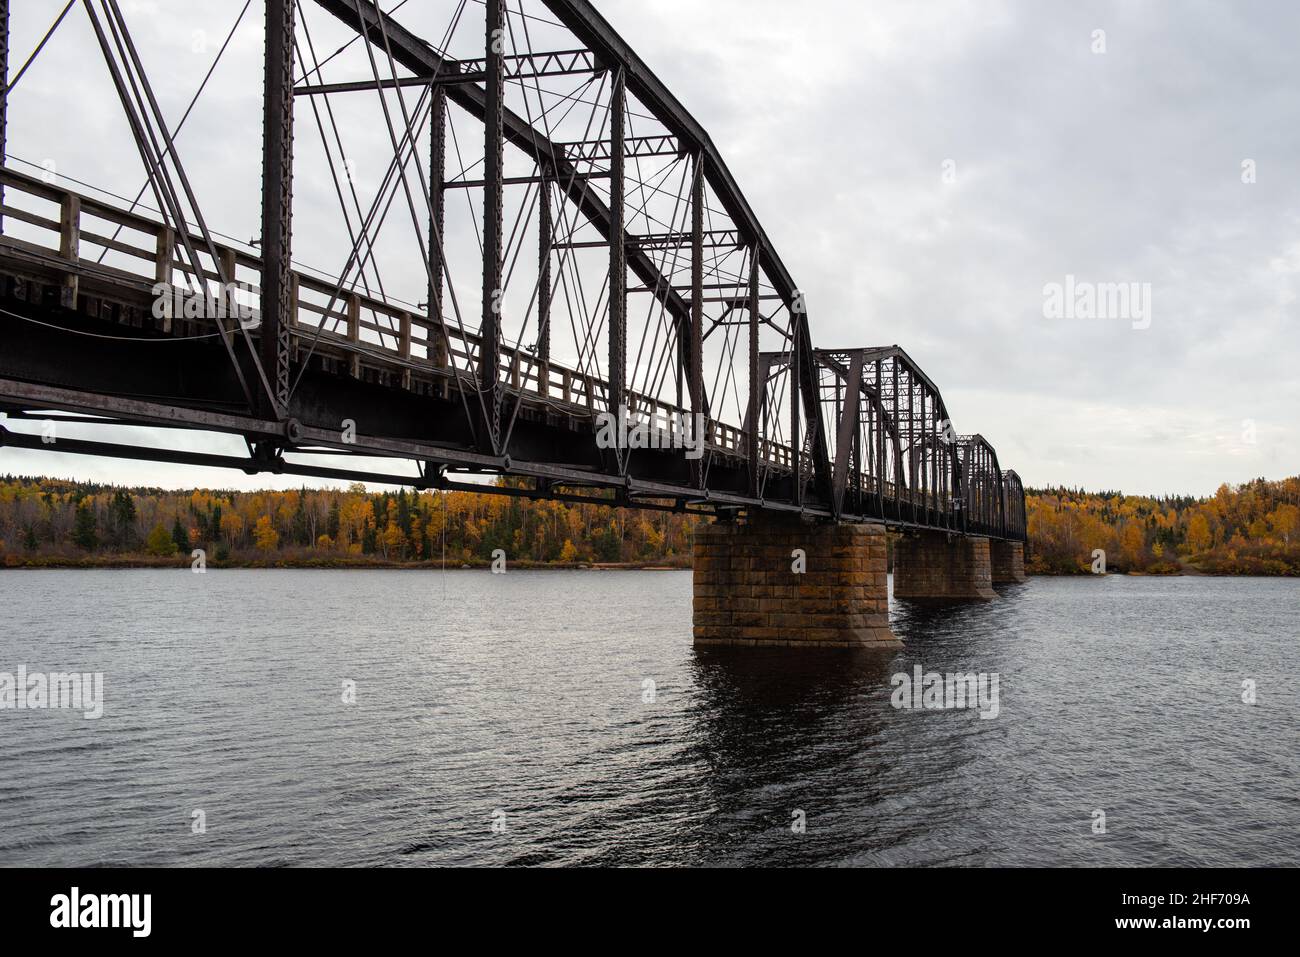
{"x":518,"y":701}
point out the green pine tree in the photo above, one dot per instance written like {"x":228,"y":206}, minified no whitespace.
{"x":84,"y":532}
{"x":180,"y":536}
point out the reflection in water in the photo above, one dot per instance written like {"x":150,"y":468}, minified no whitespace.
{"x":521,"y":698}
{"x":772,"y":723}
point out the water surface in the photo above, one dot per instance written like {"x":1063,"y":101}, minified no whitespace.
{"x":520,"y":699}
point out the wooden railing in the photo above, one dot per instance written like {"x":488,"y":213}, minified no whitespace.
{"x":86,"y":239}
{"x":81,"y":238}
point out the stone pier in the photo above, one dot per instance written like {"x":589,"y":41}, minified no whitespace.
{"x":753,"y":590}
{"x":936,"y":565}
{"x":1008,"y":559}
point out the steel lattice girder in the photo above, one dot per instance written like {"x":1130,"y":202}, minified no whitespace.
{"x":985,"y":491}
{"x":277,"y":201}
{"x":612,"y":52}
{"x":4,"y":91}
{"x":902,"y":404}
{"x":415,"y":55}
{"x":905,"y":415}
{"x":1013,"y":490}
{"x":634,"y":147}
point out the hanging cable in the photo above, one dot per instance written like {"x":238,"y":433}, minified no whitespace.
{"x":39,"y":47}
{"x":179,"y":126}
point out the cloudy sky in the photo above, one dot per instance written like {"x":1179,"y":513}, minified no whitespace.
{"x":926,"y":170}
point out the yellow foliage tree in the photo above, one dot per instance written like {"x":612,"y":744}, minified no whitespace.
{"x":265,"y":537}
{"x":1199,"y":536}
{"x":160,"y":542}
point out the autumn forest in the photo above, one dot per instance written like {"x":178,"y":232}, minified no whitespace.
{"x":1253,"y":529}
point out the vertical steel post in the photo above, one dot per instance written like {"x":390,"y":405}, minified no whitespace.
{"x":695,"y":355}
{"x":898,"y":431}
{"x":923,"y":464}
{"x":935,"y":452}
{"x":869,"y":451}
{"x":437,"y":222}
{"x":752,"y":417}
{"x":855,"y":481}
{"x":277,"y":202}
{"x":494,"y":160}
{"x":4,"y":92}
{"x":911,"y":447}
{"x":796,"y":460}
{"x":617,"y":247}
{"x":950,"y":482}
{"x":883,"y":423}
{"x":545,"y":238}
{"x":695,"y":365}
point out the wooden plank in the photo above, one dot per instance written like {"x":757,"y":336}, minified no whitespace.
{"x":70,"y":244}
{"x":354,"y":317}
{"x":24,"y":216}
{"x":162,"y":271}
{"x":95,"y":239}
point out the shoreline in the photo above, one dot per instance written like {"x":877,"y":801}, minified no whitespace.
{"x":142,"y":564}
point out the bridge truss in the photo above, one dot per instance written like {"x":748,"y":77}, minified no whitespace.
{"x":552,"y":238}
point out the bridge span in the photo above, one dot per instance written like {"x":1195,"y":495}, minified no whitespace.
{"x":575,"y":254}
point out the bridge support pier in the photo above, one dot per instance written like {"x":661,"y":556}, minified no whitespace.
{"x":936,"y":565}
{"x":1008,"y":560}
{"x":785,"y":583}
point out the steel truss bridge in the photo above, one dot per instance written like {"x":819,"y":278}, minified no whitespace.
{"x":573,"y":243}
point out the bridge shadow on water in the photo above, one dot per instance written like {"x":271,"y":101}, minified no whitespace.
{"x":789,"y":735}
{"x":772,"y":729}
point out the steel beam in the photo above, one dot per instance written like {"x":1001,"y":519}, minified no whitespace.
{"x":848,"y":427}
{"x":277,"y":292}
{"x":755,"y":395}
{"x":524,"y":181}
{"x":695,"y":354}
{"x":564,"y":63}
{"x":695,"y":343}
{"x":634,"y":147}
{"x":4,"y":94}
{"x":437,"y":222}
{"x":796,"y":386}
{"x":489,"y":360}
{"x":617,"y":248}
{"x":713,"y":239}
{"x":545,"y":240}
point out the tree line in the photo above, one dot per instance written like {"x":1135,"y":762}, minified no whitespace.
{"x":53,"y":521}
{"x":1252,"y":529}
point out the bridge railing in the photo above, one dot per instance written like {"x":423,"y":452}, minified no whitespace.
{"x":81,"y":239}
{"x":84,"y":237}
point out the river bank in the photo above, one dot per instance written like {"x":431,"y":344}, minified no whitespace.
{"x":128,"y":562}
{"x":369,"y":563}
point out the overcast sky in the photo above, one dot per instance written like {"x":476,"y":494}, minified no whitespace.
{"x":925,"y":170}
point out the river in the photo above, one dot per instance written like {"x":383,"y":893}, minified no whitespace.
{"x":554,"y":717}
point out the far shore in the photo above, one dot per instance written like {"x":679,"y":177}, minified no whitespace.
{"x":127,"y":562}
{"x":341,"y":564}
